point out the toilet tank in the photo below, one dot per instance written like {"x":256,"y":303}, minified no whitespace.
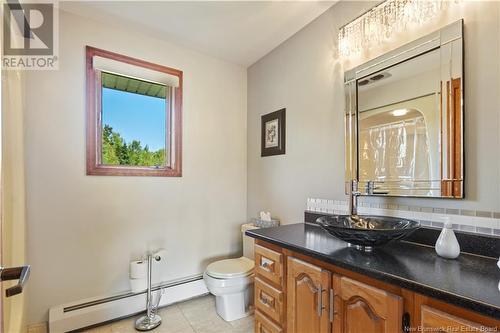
{"x":248,"y":242}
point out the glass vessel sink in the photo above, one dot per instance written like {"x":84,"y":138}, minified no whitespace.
{"x":365,"y":231}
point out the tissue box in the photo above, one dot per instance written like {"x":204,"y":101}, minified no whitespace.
{"x":265,"y":224}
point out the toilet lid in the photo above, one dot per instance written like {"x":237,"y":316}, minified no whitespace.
{"x":230,"y":268}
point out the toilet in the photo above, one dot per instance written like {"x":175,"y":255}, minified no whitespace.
{"x":231,"y":281}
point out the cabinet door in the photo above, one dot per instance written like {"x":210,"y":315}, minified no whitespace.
{"x":360,"y":308}
{"x":307,"y":298}
{"x":438,"y":321}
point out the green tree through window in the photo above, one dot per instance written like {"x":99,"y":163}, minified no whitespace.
{"x":115,"y":151}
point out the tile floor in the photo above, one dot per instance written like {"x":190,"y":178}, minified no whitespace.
{"x":194,"y":316}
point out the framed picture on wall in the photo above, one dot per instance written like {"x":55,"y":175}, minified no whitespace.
{"x":273,"y":128}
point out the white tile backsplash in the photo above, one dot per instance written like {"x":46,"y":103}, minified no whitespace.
{"x":435,"y":217}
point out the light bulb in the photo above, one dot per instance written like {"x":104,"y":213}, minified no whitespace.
{"x":399,"y":112}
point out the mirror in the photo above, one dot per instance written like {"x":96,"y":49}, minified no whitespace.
{"x":404,"y":119}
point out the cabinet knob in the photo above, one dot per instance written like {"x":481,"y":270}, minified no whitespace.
{"x":267,"y":264}
{"x":266,"y":300}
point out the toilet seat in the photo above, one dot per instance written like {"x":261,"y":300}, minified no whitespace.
{"x":227,"y":286}
{"x":230,"y":268}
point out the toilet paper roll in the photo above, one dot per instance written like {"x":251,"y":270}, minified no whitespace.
{"x":138,"y":269}
{"x":138,"y":285}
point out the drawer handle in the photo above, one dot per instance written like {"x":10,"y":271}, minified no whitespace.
{"x":332,"y":305}
{"x":266,"y":300}
{"x":320,"y":300}
{"x":267,"y":264}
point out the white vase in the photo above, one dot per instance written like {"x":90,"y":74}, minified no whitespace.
{"x":447,"y":244}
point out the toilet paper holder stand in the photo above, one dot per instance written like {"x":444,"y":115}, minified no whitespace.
{"x":151,"y":319}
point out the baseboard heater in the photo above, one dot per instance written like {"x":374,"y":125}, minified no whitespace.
{"x":89,"y":312}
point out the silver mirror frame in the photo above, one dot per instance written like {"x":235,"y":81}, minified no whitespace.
{"x":449,"y":40}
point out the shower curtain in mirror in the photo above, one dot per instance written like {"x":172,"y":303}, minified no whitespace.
{"x":395,"y":151}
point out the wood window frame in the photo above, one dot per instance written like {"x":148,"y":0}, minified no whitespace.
{"x":94,"y":125}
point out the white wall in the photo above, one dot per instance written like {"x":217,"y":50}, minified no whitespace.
{"x":305,"y":75}
{"x":83,"y":230}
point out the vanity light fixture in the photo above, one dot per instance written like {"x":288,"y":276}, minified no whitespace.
{"x":400,"y":112}
{"x":384,"y":20}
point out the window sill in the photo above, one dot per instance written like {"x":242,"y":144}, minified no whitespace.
{"x":104,"y":170}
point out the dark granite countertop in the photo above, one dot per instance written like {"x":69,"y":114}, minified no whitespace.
{"x":469,"y":281}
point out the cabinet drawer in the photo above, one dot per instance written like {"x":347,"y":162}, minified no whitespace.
{"x":264,"y":325}
{"x":433,"y":319}
{"x":269,"y":264}
{"x":269,"y":300}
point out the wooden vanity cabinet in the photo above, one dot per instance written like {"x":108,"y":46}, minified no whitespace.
{"x":361,"y":308}
{"x":318,"y":303}
{"x":308,"y":291}
{"x":298,"y":294}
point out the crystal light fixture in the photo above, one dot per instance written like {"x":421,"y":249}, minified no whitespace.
{"x":382,"y":21}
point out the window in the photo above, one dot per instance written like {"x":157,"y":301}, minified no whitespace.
{"x":133,"y":116}
{"x":133,"y":122}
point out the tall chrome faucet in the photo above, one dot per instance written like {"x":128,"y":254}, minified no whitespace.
{"x":353,"y":197}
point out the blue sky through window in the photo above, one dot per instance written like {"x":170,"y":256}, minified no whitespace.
{"x":135,"y":117}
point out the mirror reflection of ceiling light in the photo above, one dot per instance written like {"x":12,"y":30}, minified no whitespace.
{"x":399,"y":112}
